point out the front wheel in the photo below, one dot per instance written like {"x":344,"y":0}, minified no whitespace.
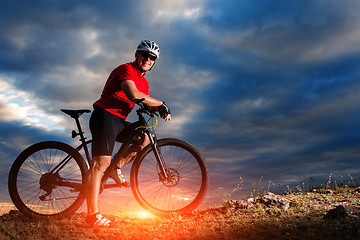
{"x":46,"y":180}
{"x":186,"y":183}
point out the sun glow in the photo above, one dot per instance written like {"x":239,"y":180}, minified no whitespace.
{"x":144,"y":214}
{"x":135,"y":214}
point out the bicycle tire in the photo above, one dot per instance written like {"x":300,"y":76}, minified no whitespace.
{"x":187,"y":186}
{"x":26,"y":180}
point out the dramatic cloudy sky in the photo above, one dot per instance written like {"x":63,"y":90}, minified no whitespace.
{"x":268,"y":90}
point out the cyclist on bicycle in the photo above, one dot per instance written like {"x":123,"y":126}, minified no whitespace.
{"x":125,"y":84}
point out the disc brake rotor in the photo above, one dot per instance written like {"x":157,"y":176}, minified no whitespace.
{"x":173,"y":178}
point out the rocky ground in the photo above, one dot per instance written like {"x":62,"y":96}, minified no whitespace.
{"x":320,"y":214}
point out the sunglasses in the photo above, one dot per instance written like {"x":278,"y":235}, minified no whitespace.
{"x":146,"y":55}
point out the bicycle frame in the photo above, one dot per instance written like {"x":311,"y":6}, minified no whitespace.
{"x":142,"y":128}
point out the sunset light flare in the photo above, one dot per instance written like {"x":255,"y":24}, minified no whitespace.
{"x":137,"y":213}
{"x":144,"y":214}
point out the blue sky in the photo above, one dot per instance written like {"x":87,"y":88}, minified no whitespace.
{"x":267,"y":90}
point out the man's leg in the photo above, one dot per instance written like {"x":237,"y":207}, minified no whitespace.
{"x":92,"y":182}
{"x":142,"y":142}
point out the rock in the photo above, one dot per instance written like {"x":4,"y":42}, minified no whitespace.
{"x":272,"y":200}
{"x":11,"y":215}
{"x":340,"y":212}
{"x":250,"y":200}
{"x":329,"y":191}
{"x":233,"y":205}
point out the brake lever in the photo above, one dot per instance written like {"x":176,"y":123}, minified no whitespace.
{"x":145,"y":108}
{"x":139,"y":102}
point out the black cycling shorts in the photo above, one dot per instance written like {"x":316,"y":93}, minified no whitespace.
{"x":104,"y":127}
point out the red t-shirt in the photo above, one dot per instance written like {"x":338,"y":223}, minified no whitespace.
{"x":113,"y":98}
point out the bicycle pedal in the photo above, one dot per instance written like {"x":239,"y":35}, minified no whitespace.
{"x":124,"y":184}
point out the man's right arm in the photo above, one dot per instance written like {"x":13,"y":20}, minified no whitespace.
{"x":133,"y":93}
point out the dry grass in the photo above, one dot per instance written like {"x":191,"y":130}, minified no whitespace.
{"x":304,"y":219}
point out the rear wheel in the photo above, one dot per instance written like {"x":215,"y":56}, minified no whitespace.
{"x":39,"y":189}
{"x":183,"y":189}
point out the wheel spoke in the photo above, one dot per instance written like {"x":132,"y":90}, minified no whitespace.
{"x":185,"y":186}
{"x":36,"y":190}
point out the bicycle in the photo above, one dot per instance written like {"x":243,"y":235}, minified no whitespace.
{"x":168,"y":176}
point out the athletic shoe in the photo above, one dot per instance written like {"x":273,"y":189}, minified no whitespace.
{"x":97,"y":220}
{"x":119,"y":178}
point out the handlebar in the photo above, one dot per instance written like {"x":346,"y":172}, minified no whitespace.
{"x":144,"y":108}
{"x":147,"y":110}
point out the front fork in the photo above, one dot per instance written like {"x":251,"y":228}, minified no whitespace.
{"x":163,"y":174}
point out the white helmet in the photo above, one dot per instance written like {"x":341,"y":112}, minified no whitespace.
{"x":149,"y":46}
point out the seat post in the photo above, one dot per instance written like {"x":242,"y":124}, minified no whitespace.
{"x":82,"y":138}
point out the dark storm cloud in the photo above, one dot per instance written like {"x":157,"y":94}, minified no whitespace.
{"x":289,"y":108}
{"x":279,"y":28}
{"x":279,"y":124}
{"x":43,"y":43}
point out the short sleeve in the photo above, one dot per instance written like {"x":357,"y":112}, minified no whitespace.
{"x":126,"y":72}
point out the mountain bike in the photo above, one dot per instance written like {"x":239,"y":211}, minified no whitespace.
{"x":167,"y":176}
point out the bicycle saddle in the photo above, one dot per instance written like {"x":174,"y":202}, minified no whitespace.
{"x":75,"y":113}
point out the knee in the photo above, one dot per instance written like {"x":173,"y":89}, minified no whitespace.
{"x":100,"y":163}
{"x":143,"y":141}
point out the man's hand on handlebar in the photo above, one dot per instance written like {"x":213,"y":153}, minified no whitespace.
{"x":163,"y":109}
{"x":165,"y":112}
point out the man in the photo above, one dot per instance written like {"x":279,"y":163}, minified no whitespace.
{"x":125,"y":84}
